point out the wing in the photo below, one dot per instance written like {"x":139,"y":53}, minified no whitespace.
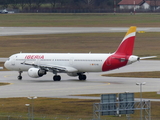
{"x":52,"y":68}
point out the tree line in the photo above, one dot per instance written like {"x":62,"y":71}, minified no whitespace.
{"x":60,"y":4}
{"x":52,"y":5}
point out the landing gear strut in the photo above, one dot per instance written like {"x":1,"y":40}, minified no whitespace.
{"x":57,"y":78}
{"x":20,"y":76}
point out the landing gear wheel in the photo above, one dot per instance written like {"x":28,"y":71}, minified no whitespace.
{"x":57,"y":78}
{"x":82,"y":77}
{"x":19,"y":77}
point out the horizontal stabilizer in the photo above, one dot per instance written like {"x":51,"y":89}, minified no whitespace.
{"x":142,"y":58}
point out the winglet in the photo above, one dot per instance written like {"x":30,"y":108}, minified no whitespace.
{"x":127,"y":44}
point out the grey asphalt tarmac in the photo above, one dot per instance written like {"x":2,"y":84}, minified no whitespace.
{"x":8,"y":31}
{"x":95,"y":83}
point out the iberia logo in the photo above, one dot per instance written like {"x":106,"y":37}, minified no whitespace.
{"x":34,"y":57}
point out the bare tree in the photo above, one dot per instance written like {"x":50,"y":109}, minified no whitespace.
{"x":38,"y":3}
{"x":14,"y":3}
{"x":65,"y":3}
{"x":22,"y":3}
{"x":53,"y":3}
{"x":84,"y":3}
{"x":76,"y":4}
{"x":88,"y":3}
{"x":154,"y":4}
{"x":4,"y":3}
{"x":30,"y":3}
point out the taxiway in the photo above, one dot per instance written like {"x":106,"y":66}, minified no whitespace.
{"x":9,"y":31}
{"x":95,"y":83}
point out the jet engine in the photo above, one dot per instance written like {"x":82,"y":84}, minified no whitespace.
{"x":72,"y":74}
{"x":36,"y":72}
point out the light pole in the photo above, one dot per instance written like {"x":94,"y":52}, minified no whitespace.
{"x":32,"y":98}
{"x":134,"y":9}
{"x":140,"y":84}
{"x":28,"y":105}
{"x":114,"y":7}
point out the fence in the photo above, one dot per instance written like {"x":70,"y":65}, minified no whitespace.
{"x":64,"y":117}
{"x":85,"y":11}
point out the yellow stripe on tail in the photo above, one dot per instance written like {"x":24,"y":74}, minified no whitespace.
{"x":131,"y":30}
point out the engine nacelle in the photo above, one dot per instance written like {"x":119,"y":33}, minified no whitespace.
{"x":72,"y":74}
{"x":36,"y":72}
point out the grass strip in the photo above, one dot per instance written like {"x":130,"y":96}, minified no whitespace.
{"x":72,"y":108}
{"x":1,"y":84}
{"x":154,"y":74}
{"x":79,"y":20}
{"x":150,"y":95}
{"x":145,"y":44}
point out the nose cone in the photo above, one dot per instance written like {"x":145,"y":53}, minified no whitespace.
{"x":6,"y":64}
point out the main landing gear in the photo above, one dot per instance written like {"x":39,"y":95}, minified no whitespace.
{"x":20,"y":76}
{"x":82,"y":77}
{"x":57,"y":78}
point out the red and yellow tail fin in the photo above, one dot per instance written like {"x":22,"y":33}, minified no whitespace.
{"x":127,"y":44}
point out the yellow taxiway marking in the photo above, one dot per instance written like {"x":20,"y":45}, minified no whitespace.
{"x":107,"y":83}
{"x":141,"y":31}
{"x":11,"y":83}
{"x":6,"y":76}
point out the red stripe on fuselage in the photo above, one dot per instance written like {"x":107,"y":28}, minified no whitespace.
{"x":115,"y":61}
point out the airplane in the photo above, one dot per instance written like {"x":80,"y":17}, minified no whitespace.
{"x":4,"y":11}
{"x":74,"y":64}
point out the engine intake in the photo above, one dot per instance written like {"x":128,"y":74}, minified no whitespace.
{"x":36,"y":72}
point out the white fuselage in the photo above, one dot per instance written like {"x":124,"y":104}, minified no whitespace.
{"x":82,"y":62}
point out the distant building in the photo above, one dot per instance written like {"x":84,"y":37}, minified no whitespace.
{"x":139,"y":4}
{"x":131,"y":4}
{"x":153,"y":5}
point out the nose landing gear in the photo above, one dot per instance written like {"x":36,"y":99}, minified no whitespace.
{"x":20,"y":76}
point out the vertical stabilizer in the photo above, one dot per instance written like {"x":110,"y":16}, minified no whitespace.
{"x":127,"y":44}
